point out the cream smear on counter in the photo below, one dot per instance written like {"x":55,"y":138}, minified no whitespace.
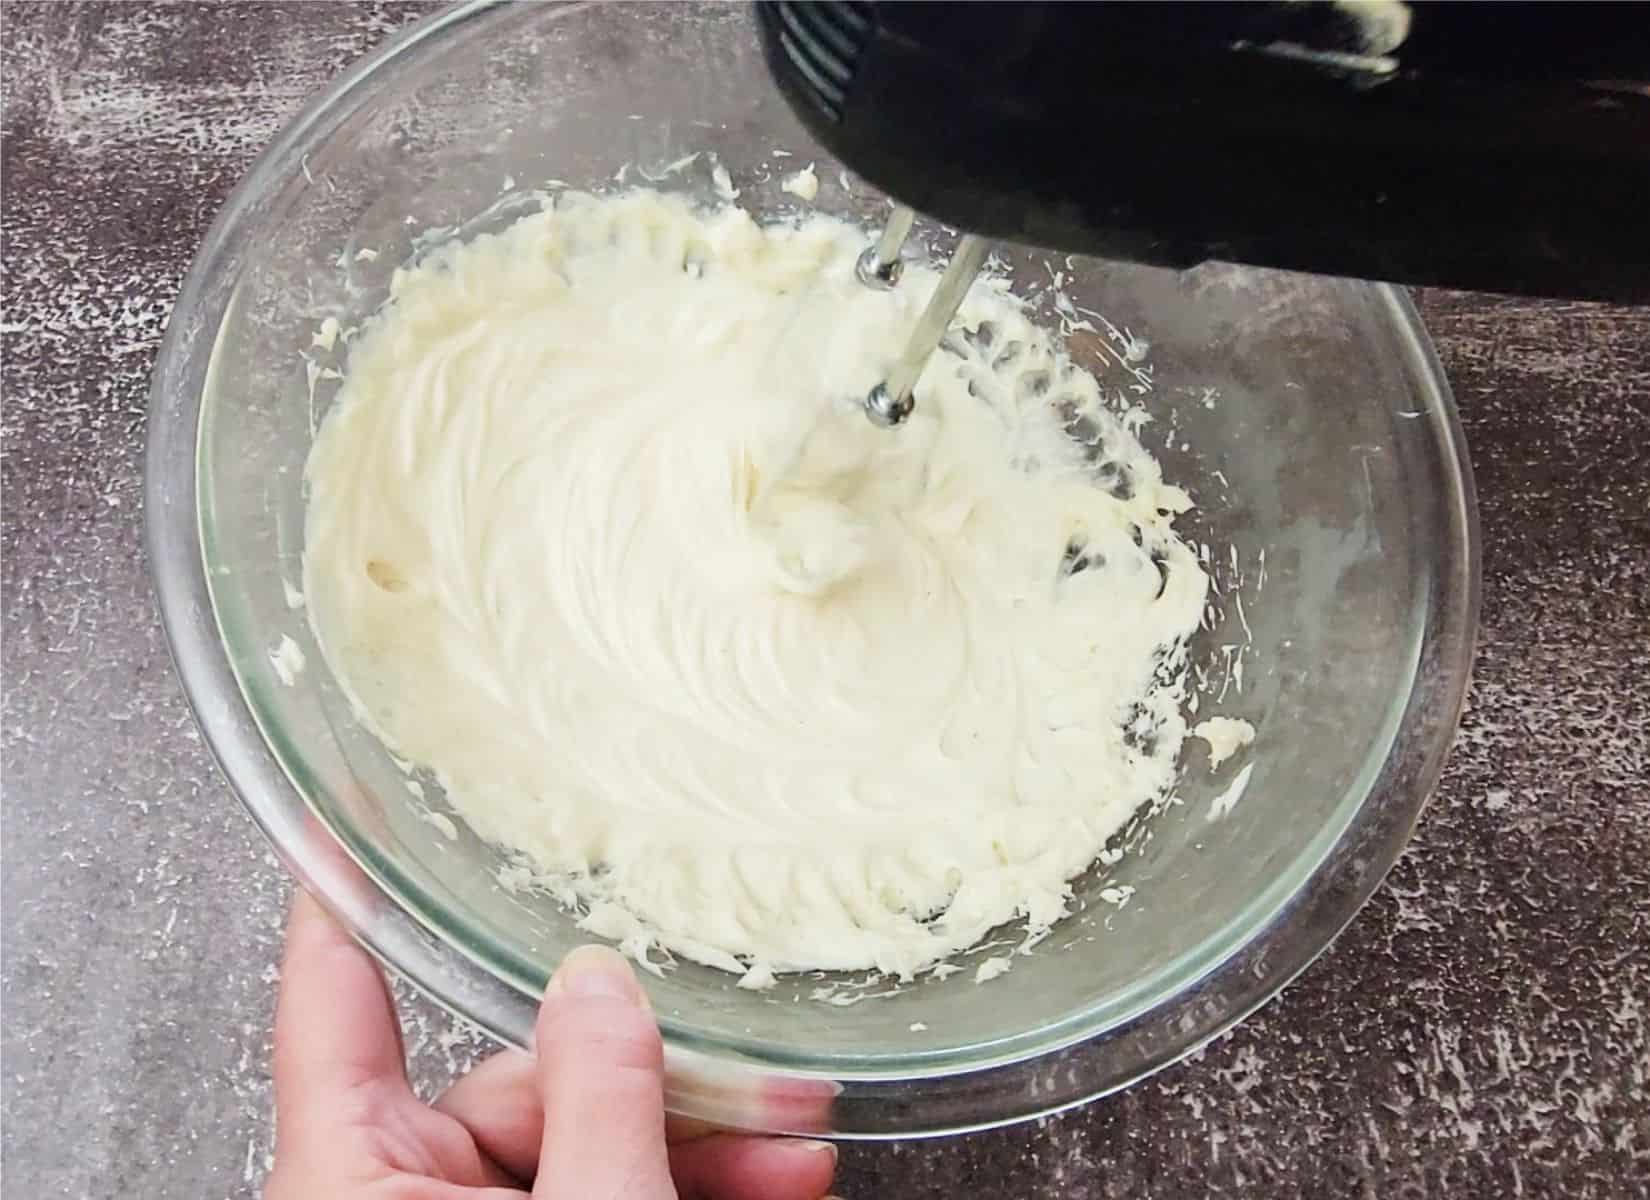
{"x":599,"y":534}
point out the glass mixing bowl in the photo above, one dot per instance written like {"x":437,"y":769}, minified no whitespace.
{"x":1307,"y":416}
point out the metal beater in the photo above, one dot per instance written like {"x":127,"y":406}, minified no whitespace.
{"x":890,"y":402}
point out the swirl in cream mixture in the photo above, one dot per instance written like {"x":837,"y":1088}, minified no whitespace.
{"x":598,"y":533}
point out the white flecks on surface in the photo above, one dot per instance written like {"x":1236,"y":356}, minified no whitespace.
{"x":287,"y":659}
{"x":1225,"y":737}
{"x":1223,"y":804}
{"x":993,"y":967}
{"x":804,"y":184}
{"x":1118,"y":896}
{"x":723,"y":183}
{"x":1381,"y":25}
{"x":441,"y":822}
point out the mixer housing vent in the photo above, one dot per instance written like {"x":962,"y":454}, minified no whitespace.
{"x":822,"y":41}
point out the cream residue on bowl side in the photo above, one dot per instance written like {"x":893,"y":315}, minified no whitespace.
{"x":1225,"y":736}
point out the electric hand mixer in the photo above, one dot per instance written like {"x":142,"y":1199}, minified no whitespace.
{"x":1495,"y":147}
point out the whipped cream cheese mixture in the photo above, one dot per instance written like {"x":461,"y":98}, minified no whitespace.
{"x":599,"y":534}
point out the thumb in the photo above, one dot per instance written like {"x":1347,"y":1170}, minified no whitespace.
{"x":601,"y":1074}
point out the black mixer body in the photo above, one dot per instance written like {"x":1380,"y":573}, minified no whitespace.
{"x":1494,"y":147}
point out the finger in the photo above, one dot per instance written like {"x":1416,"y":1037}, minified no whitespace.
{"x":687,"y":1129}
{"x":731,"y":1166}
{"x":335,"y":1026}
{"x":744,"y":1101}
{"x":601,"y":1079}
{"x":794,"y":1105}
{"x":402,"y":1187}
{"x":498,"y":1102}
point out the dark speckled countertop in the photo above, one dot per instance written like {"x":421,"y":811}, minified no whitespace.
{"x":1482,"y":1029}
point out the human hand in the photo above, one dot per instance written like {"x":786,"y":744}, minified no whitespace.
{"x":581,"y":1119}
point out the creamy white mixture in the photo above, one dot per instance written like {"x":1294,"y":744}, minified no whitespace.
{"x":598,"y":533}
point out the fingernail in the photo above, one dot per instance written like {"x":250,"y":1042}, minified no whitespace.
{"x":596,"y":971}
{"x":816,"y":1148}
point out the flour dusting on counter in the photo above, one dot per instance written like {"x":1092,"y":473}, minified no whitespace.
{"x":599,"y":534}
